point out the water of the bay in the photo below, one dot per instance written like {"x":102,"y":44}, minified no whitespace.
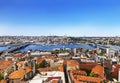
{"x":49,"y":47}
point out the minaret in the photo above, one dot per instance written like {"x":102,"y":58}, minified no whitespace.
{"x":34,"y":69}
{"x":24,"y":67}
{"x":74,"y":51}
{"x":48,"y":41}
{"x":63,"y":47}
{"x":108,"y":42}
{"x":15,"y":67}
{"x":28,"y":59}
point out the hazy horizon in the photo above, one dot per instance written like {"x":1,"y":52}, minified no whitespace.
{"x":60,"y":17}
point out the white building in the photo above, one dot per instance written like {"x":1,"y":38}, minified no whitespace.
{"x":40,"y":53}
{"x":40,"y":78}
{"x":63,"y":54}
{"x":110,"y":52}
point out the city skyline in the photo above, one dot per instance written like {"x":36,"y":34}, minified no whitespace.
{"x":71,"y":18}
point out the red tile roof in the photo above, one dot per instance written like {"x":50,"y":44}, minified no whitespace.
{"x":61,"y":68}
{"x":20,"y":63}
{"x":47,"y":69}
{"x":51,"y":78}
{"x":5,"y":64}
{"x":87,"y":65}
{"x":39,"y":60}
{"x":3,"y":81}
{"x":74,"y":73}
{"x":115,"y":70}
{"x":79,"y":76}
{"x":72,"y":62}
{"x":78,"y":72}
{"x":19,"y":55}
{"x":99,"y":70}
{"x":19,"y":81}
{"x":89,"y":79}
{"x":19,"y":73}
{"x":55,"y":81}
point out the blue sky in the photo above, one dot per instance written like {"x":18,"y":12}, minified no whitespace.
{"x":60,"y":17}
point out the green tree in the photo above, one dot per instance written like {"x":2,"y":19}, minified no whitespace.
{"x":92,"y":74}
{"x":43,"y":64}
{"x":1,"y":76}
{"x":87,"y":51}
{"x":103,"y":52}
{"x":55,"y":52}
{"x":87,"y":71}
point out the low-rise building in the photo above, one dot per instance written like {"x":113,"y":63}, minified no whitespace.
{"x":6,"y":66}
{"x":20,"y":74}
{"x":87,"y":65}
{"x":115,"y":70}
{"x":49,"y":75}
{"x":72,"y":65}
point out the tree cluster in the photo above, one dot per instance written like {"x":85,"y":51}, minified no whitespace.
{"x":43,"y":64}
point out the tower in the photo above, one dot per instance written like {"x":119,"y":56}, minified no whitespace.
{"x":15,"y":67}
{"x":48,"y":41}
{"x":74,"y":51}
{"x":24,"y":68}
{"x":33,"y":66}
{"x":28,"y":59}
{"x":108,"y":43}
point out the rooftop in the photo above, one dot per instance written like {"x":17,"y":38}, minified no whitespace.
{"x":48,"y":75}
{"x":47,"y":69}
{"x":19,"y":55}
{"x":19,"y":73}
{"x":20,"y":63}
{"x":55,"y":81}
{"x":89,"y":79}
{"x":39,"y":60}
{"x":72,"y":62}
{"x":5,"y":64}
{"x":79,"y":76}
{"x":87,"y":65}
{"x":99,"y":70}
{"x":3,"y":81}
{"x":61,"y":68}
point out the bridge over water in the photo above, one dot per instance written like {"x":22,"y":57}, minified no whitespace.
{"x":15,"y":47}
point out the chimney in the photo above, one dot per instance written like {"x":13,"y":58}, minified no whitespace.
{"x":119,"y":75}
